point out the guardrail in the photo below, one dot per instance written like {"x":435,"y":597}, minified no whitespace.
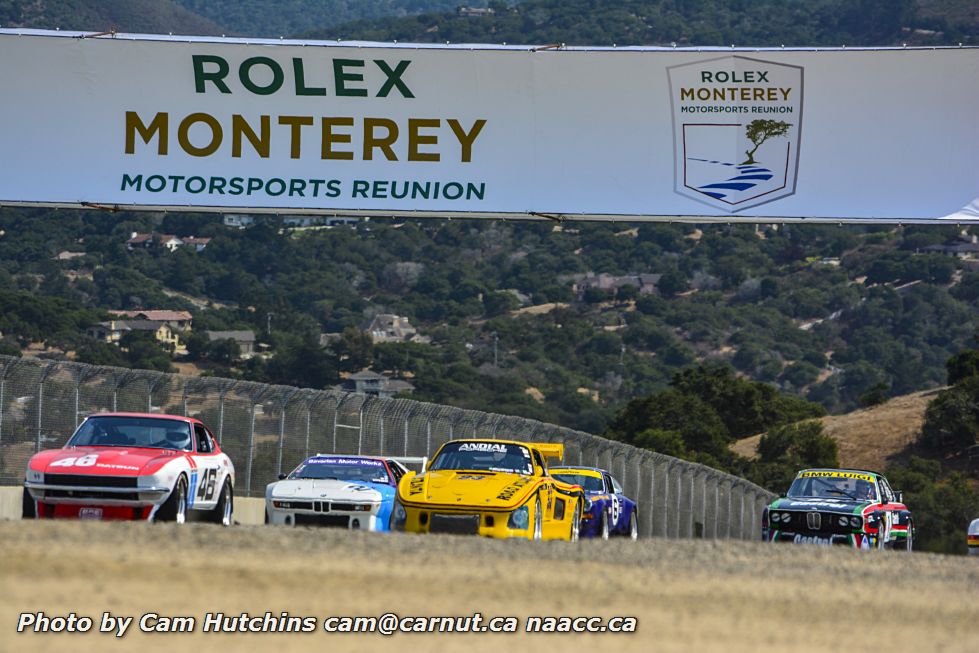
{"x":268,"y":429}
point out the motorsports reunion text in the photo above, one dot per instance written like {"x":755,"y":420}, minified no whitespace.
{"x":386,"y":624}
{"x":334,"y":138}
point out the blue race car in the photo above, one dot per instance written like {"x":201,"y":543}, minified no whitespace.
{"x":355,"y":492}
{"x":607,"y":511}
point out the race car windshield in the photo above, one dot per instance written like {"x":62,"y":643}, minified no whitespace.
{"x":343,"y":469}
{"x":148,"y":432}
{"x":484,"y":457}
{"x":858,"y":487}
{"x":587,"y":483}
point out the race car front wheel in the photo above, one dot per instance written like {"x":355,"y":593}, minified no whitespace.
{"x":576,"y":522}
{"x":605,"y":529}
{"x":909,"y":540}
{"x":222,"y":513}
{"x":29,"y":509}
{"x":538,"y":520}
{"x":175,"y":507}
{"x":633,"y":526}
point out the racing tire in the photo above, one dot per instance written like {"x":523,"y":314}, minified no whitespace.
{"x":633,"y":526}
{"x":909,"y":540}
{"x":605,"y":529}
{"x":575,"y":523}
{"x":222,"y":513}
{"x":29,"y":507}
{"x":175,"y":507}
{"x":538,"y":520}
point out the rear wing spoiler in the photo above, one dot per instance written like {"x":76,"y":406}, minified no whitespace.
{"x":421,"y":461}
{"x":550,"y":450}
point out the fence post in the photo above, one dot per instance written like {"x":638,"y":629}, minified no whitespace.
{"x":730,"y":508}
{"x":360,"y":430}
{"x":251,"y":450}
{"x":8,"y":365}
{"x":693,"y":479}
{"x":652,"y":497}
{"x":336,"y":413}
{"x":282,"y":426}
{"x":221,"y":397}
{"x":309,"y":410}
{"x":701,"y":476}
{"x":717,"y":507}
{"x":40,"y":411}
{"x":150,"y":387}
{"x":3,"y":383}
{"x":741,"y":534}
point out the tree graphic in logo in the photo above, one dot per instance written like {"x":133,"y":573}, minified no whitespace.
{"x":759,"y":131}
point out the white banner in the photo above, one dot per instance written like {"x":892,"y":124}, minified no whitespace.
{"x":236,"y":125}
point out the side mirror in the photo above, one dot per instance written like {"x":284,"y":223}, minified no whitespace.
{"x":282,"y":477}
{"x":898,"y":496}
{"x":782,"y":495}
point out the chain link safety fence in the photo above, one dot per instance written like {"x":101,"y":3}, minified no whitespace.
{"x":268,"y":430}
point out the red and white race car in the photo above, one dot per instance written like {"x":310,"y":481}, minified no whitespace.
{"x":133,"y":466}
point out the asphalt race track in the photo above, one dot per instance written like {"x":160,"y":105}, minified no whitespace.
{"x":698,"y":596}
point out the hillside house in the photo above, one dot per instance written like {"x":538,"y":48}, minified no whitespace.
{"x":964,"y":246}
{"x":646,"y":283}
{"x":245,"y":340}
{"x":168,"y":241}
{"x":112,"y":332}
{"x":387,"y":327}
{"x":375,"y":385}
{"x":179,"y":320}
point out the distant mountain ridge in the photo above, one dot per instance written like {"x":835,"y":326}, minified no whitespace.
{"x":141,"y":16}
{"x":574,"y":22}
{"x":694,"y":23}
{"x":273,"y":18}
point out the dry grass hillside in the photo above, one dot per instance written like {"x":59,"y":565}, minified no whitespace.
{"x":870,"y":438}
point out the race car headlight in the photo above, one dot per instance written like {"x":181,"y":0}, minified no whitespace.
{"x":587,"y":505}
{"x":35,"y":476}
{"x":775,"y":517}
{"x":786,"y":517}
{"x":844,"y":521}
{"x":398,"y":516}
{"x":856,"y":522}
{"x":519,"y":519}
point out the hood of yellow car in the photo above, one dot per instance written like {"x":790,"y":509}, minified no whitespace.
{"x":490,"y":490}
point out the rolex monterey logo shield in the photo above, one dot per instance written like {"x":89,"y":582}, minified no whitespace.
{"x":736,"y":127}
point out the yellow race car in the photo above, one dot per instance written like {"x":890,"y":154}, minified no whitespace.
{"x":495,"y":488}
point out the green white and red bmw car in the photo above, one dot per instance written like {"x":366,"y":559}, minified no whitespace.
{"x":133,"y":466}
{"x":850,"y":507}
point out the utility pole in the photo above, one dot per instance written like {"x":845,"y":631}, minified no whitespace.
{"x":268,"y":324}
{"x":496,"y":355}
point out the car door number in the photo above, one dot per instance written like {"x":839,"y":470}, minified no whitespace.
{"x":205,"y":491}
{"x":616,"y":510}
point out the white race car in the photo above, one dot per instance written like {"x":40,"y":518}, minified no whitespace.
{"x":135,"y":466}
{"x":354,"y":492}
